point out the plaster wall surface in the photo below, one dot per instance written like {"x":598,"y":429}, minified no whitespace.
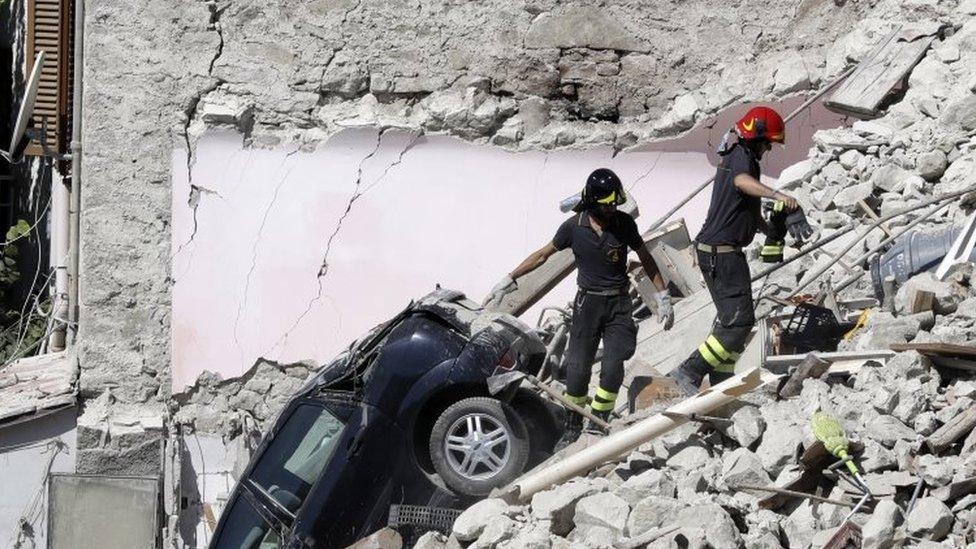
{"x":24,"y":455}
{"x":286,"y":255}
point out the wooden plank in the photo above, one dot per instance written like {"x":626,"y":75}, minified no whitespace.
{"x":922,"y":300}
{"x":779,"y":363}
{"x":811,"y":367}
{"x":535,"y":285}
{"x":940,"y":349}
{"x":954,"y":363}
{"x":874,"y":216}
{"x":953,"y":430}
{"x":884,"y":68}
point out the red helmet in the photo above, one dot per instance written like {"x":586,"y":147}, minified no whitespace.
{"x":762,"y":123}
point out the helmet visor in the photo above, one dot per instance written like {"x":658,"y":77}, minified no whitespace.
{"x":609,"y":199}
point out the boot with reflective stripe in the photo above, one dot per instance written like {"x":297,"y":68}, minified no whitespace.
{"x":572,"y":428}
{"x":689,"y":375}
{"x":592,"y":427}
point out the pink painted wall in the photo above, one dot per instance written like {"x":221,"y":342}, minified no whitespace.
{"x":449,"y":212}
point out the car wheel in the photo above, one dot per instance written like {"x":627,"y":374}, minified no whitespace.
{"x":478,"y":444}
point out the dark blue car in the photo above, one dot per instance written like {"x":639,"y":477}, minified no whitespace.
{"x":404,"y":417}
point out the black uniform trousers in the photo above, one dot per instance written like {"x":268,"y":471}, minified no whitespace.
{"x":596,"y":317}
{"x":728,"y":280}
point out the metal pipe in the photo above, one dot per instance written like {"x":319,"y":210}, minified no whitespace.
{"x":813,"y":247}
{"x":789,"y":117}
{"x":853,"y":278}
{"x":627,"y":439}
{"x":74,"y":225}
{"x":565,"y":402}
{"x":793,"y":493}
{"x":58,"y":253}
{"x":877,"y":223}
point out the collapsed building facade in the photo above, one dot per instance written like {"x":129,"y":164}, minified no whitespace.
{"x":195,"y":113}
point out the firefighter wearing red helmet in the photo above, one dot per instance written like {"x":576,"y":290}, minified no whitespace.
{"x":734,"y":216}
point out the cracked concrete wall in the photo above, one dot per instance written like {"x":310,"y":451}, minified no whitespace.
{"x":524,"y":75}
{"x":286,"y":255}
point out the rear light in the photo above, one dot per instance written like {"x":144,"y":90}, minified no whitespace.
{"x":508,"y":360}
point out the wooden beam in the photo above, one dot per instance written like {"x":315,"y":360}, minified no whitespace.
{"x":940,"y":349}
{"x":863,"y":93}
{"x":811,"y":367}
{"x":956,"y":428}
{"x":874,"y":216}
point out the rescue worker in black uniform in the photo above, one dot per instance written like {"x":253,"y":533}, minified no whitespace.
{"x":599,"y":236}
{"x":734,"y":216}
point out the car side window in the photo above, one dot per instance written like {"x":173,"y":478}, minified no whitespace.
{"x":297,"y":455}
{"x":245,"y":528}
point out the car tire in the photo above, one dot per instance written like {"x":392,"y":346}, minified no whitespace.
{"x":478,"y":444}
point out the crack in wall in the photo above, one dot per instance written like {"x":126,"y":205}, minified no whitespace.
{"x":215,"y":13}
{"x":254,"y":251}
{"x":193,"y":201}
{"x":324,"y":268}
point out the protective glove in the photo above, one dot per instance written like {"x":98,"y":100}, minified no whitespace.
{"x":772,"y":250}
{"x":503,"y":288}
{"x":798,"y":227}
{"x":665,"y":312}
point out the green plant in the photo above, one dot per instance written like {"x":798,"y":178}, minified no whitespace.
{"x":18,"y":335}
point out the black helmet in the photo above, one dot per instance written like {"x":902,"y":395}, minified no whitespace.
{"x":602,"y":187}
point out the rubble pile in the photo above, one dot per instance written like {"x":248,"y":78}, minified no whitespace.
{"x":686,"y":489}
{"x":217,"y":406}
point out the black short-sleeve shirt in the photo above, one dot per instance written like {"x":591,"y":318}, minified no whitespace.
{"x":733,"y":216}
{"x":601,"y":261}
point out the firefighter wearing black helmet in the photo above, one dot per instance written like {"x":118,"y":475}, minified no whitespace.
{"x":600,"y":237}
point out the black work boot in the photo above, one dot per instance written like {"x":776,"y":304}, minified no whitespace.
{"x":689,"y":375}
{"x":571,"y":430}
{"x":714,"y":377}
{"x":592,"y":427}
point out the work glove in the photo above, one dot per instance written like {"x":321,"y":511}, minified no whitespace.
{"x":503,"y":288}
{"x":797,"y":225}
{"x":665,"y":312}
{"x":772,"y":250}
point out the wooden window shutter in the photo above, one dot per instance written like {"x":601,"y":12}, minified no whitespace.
{"x":49,"y":28}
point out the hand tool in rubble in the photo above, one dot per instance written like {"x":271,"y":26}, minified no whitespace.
{"x":500,"y":382}
{"x":829,"y":431}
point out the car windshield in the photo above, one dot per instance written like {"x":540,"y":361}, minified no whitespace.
{"x":296,"y":456}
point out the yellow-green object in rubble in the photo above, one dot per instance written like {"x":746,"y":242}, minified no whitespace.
{"x":829,"y":431}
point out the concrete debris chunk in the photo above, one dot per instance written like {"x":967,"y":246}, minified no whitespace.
{"x":742,"y":467}
{"x":558,"y":505}
{"x":930,"y":518}
{"x":718,"y":526}
{"x":431,"y":540}
{"x":651,"y":512}
{"x":499,"y":529}
{"x":654,"y":482}
{"x":387,"y":538}
{"x":748,"y":426}
{"x":472,"y":522}
{"x":879,"y":530}
{"x":780,"y":446}
{"x":602,"y":510}
{"x":888,"y":430}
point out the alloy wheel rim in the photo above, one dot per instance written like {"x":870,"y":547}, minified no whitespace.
{"x":477,"y":446}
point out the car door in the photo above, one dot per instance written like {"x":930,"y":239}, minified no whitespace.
{"x":353,"y":495}
{"x":271,"y":495}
